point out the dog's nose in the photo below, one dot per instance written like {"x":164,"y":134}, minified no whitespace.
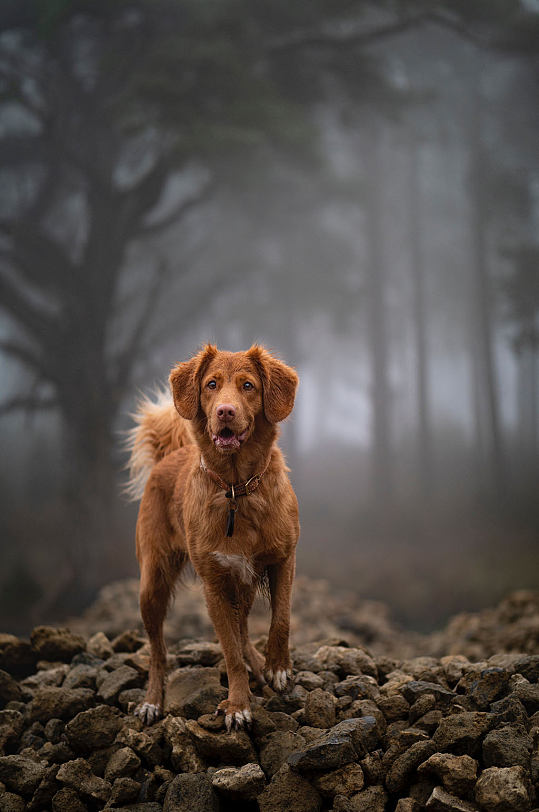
{"x":226,"y":412}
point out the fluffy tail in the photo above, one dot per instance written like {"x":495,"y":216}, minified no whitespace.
{"x":159,"y":430}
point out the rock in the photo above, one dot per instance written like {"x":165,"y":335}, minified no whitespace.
{"x":507,"y":747}
{"x":122,"y":763}
{"x":67,"y":800}
{"x":421,"y":706}
{"x":117,"y":681}
{"x":184,"y":757}
{"x":503,"y":789}
{"x":50,"y":675}
{"x":93,"y":728}
{"x":59,"y":703}
{"x":229,"y":748}
{"x":200,"y":653}
{"x":372,"y":768}
{"x":245,"y":783}
{"x":457,"y":773}
{"x":142,"y":743}
{"x":319,"y":709}
{"x":405,"y":765}
{"x":130,"y":641}
{"x":414,"y":690}
{"x":21,"y":775}
{"x":407,"y":805}
{"x":462,"y":733}
{"x":275,"y":749}
{"x":16,"y":656}
{"x":491,"y":684}
{"x":528,"y":695}
{"x":192,"y":692}
{"x":55,"y":645}
{"x":346,"y":780}
{"x":309,"y":680}
{"x":81,"y":676}
{"x":53,"y":730}
{"x":9,"y":689}
{"x":372,"y":799}
{"x":345,"y":661}
{"x":358,"y":687}
{"x":187,"y":793}
{"x":291,"y":792}
{"x":442,"y":801}
{"x":124,"y":791}
{"x":328,"y":752}
{"x":78,"y":776}
{"x":99,"y":645}
{"x":11,"y":724}
{"x":454,"y":667}
{"x":394,"y":707}
{"x":10,"y":802}
{"x":130,"y":698}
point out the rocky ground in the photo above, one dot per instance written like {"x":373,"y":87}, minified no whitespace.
{"x":378,"y":720}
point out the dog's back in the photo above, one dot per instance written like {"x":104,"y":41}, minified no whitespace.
{"x":159,"y":430}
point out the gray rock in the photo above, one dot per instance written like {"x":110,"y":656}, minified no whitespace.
{"x":372,"y":799}
{"x":200,"y":653}
{"x":528,"y":695}
{"x":124,"y":791}
{"x":309,"y":680}
{"x":67,"y":800}
{"x":414,"y":690}
{"x":59,"y":703}
{"x":117,"y":681}
{"x":490,"y":685}
{"x":347,"y":780}
{"x":11,"y":724}
{"x":404,"y":766}
{"x":187,"y":793}
{"x":358,"y":687}
{"x":16,"y":656}
{"x":142,"y":743}
{"x":504,"y":789}
{"x":245,"y":783}
{"x":56,"y":645}
{"x":328,"y":752}
{"x":122,"y":763}
{"x":77,"y":775}
{"x":9,"y":689}
{"x":81,"y":676}
{"x":183,"y":757}
{"x":93,"y":728}
{"x":319,"y":709}
{"x":442,"y":801}
{"x":21,"y":775}
{"x":228,"y":748}
{"x":509,"y":710}
{"x":10,"y":802}
{"x":99,"y":645}
{"x":276,"y":747}
{"x":192,"y":692}
{"x":507,"y":747}
{"x":457,"y":773}
{"x":344,"y":661}
{"x":462,"y":733}
{"x":289,"y":792}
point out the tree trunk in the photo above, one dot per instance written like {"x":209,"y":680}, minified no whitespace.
{"x":481,"y":304}
{"x":424,"y":432}
{"x":381,"y":431}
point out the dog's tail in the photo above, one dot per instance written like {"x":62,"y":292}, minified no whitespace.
{"x":159,"y":430}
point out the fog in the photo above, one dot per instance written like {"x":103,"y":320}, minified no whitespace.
{"x":353,"y":185}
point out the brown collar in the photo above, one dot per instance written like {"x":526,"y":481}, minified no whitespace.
{"x":232,"y":491}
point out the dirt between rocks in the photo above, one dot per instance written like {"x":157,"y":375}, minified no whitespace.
{"x":378,"y":720}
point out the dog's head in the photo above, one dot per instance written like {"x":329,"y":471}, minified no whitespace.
{"x":228,"y":392}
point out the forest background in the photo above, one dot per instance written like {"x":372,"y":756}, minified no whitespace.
{"x":353,"y":184}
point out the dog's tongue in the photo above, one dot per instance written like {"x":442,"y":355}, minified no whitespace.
{"x":229,"y":441}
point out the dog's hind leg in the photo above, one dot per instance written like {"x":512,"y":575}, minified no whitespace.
{"x":156,"y":584}
{"x":251,"y":655}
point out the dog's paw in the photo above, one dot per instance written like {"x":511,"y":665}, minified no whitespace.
{"x":148,"y":713}
{"x":236,"y":717}
{"x":279,"y":678}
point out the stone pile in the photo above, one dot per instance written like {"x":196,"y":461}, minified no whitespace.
{"x":357,"y":732}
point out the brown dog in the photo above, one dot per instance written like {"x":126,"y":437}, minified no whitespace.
{"x":219,"y":495}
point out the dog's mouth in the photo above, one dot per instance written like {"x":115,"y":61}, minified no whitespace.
{"x":228,"y":440}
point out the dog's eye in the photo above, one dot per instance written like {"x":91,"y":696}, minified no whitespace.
{"x":211,"y":385}
{"x":248,"y":385}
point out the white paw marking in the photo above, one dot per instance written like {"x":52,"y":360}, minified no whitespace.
{"x":238,"y":719}
{"x":148,"y":713}
{"x":279,"y":679}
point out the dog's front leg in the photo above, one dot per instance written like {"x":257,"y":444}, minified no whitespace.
{"x":278,"y":667}
{"x":225,"y":618}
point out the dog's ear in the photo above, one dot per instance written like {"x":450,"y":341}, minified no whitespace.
{"x":279,"y":383}
{"x":185,"y":382}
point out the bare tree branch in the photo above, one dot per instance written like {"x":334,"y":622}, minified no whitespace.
{"x":183,"y":208}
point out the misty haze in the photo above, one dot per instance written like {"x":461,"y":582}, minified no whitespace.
{"x":353,"y":185}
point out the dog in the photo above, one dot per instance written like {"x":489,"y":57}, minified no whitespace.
{"x":218,"y":494}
